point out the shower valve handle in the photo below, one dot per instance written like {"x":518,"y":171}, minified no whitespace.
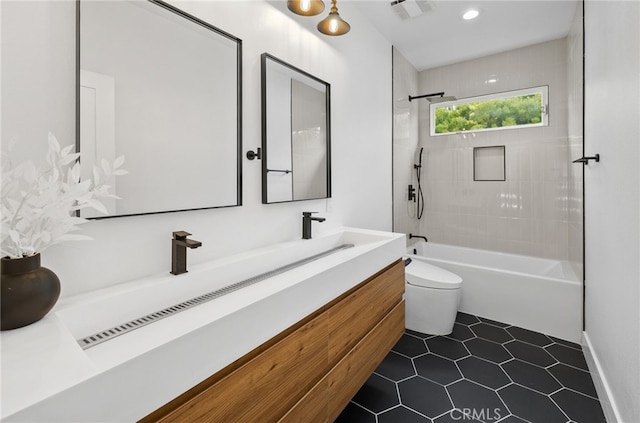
{"x":412,"y":193}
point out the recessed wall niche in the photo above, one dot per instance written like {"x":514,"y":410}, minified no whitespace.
{"x":489,"y":163}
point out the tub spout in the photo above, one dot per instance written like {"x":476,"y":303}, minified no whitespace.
{"x":418,"y":236}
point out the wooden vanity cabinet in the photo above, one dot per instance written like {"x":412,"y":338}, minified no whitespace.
{"x":309,"y":372}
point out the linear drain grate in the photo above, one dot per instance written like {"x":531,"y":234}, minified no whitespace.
{"x":105,"y":335}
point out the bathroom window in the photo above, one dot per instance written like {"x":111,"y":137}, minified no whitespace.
{"x":507,"y":110}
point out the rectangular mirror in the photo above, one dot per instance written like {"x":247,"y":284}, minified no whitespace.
{"x":163,"y":89}
{"x":296,"y":133}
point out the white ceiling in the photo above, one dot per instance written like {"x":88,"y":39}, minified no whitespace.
{"x":442,"y":37}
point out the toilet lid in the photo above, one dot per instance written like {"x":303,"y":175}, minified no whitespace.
{"x":423,"y":274}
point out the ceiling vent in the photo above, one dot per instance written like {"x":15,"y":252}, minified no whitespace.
{"x":408,"y":9}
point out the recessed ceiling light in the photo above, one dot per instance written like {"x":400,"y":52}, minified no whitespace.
{"x":470,"y":14}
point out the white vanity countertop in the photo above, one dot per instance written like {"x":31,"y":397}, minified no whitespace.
{"x":46,"y":376}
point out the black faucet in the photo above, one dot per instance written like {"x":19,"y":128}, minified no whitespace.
{"x":306,"y":224}
{"x":179,"y":245}
{"x":418,"y":236}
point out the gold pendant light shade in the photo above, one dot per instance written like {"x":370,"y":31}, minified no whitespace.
{"x":306,"y":7}
{"x":333,"y":24}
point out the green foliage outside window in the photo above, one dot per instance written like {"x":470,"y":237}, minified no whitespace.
{"x":498,"y":113}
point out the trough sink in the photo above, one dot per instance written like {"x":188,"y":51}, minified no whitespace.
{"x":188,"y":346}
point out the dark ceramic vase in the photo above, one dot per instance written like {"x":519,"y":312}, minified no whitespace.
{"x":28,"y":291}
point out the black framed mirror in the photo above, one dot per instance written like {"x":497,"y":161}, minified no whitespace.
{"x":296,"y":133}
{"x":164,"y":89}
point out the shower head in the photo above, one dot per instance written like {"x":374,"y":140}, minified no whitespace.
{"x":434,"y":97}
{"x":441,"y":99}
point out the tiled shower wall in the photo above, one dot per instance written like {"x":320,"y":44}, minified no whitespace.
{"x":527,"y":213}
{"x":575,"y":78}
{"x":405,"y":142}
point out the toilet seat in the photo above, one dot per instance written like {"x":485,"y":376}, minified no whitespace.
{"x":425,"y":275}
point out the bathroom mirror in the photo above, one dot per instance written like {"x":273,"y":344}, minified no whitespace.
{"x":163,"y":89}
{"x":296,"y":133}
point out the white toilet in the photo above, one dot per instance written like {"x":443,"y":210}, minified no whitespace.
{"x":432,"y":296}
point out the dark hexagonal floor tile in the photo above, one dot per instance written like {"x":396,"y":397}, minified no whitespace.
{"x":531,"y":405}
{"x":568,"y":355}
{"x":483,"y":372}
{"x":377,"y":394}
{"x":467,"y":395}
{"x":456,"y":416}
{"x":491,"y":333}
{"x":402,"y":415}
{"x":418,"y":334}
{"x":513,"y":375}
{"x":437,"y":369}
{"x":488,"y":350}
{"x":575,"y":379}
{"x":512,"y":419}
{"x":494,"y":322}
{"x":396,"y":367}
{"x":447,"y":347}
{"x":466,"y":319}
{"x":578,"y":407}
{"x":530,"y":353}
{"x":529,"y":336}
{"x":353,"y":413}
{"x":566,"y":343}
{"x":424,"y":396}
{"x":410,"y":346}
{"x":531,"y":376}
{"x":461,"y":332}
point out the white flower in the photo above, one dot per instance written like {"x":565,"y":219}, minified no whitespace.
{"x":39,"y":205}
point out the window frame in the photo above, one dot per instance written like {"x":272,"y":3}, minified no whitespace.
{"x":543,"y":90}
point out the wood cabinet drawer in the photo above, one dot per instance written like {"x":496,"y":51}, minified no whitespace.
{"x":352,"y":318}
{"x":346,"y":378}
{"x":313,"y":407}
{"x":326,"y":400}
{"x":267,"y":386}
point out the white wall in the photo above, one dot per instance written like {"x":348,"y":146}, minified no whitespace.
{"x":38,"y":95}
{"x":612,"y":203}
{"x":405,"y":143}
{"x":527,"y":213}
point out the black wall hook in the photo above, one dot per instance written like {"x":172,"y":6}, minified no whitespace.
{"x":253,"y":155}
{"x":585,"y":160}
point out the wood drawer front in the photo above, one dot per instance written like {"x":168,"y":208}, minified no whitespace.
{"x":313,"y":407}
{"x":328,"y":398}
{"x":266,"y":387}
{"x":352,"y":318}
{"x":348,"y":376}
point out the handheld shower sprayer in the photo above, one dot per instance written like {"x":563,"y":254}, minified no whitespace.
{"x":419,"y":196}
{"x":419,"y":165}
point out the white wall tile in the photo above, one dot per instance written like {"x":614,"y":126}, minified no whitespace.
{"x":528,"y":212}
{"x":405,"y":144}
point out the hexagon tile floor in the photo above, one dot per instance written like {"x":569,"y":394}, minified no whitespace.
{"x":485,"y":371}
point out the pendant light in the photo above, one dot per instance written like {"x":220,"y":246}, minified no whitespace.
{"x":333,"y":24}
{"x":306,"y":7}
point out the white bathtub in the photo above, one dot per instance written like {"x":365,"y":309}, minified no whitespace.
{"x":534,"y":293}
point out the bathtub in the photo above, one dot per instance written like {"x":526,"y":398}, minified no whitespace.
{"x":539,"y":294}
